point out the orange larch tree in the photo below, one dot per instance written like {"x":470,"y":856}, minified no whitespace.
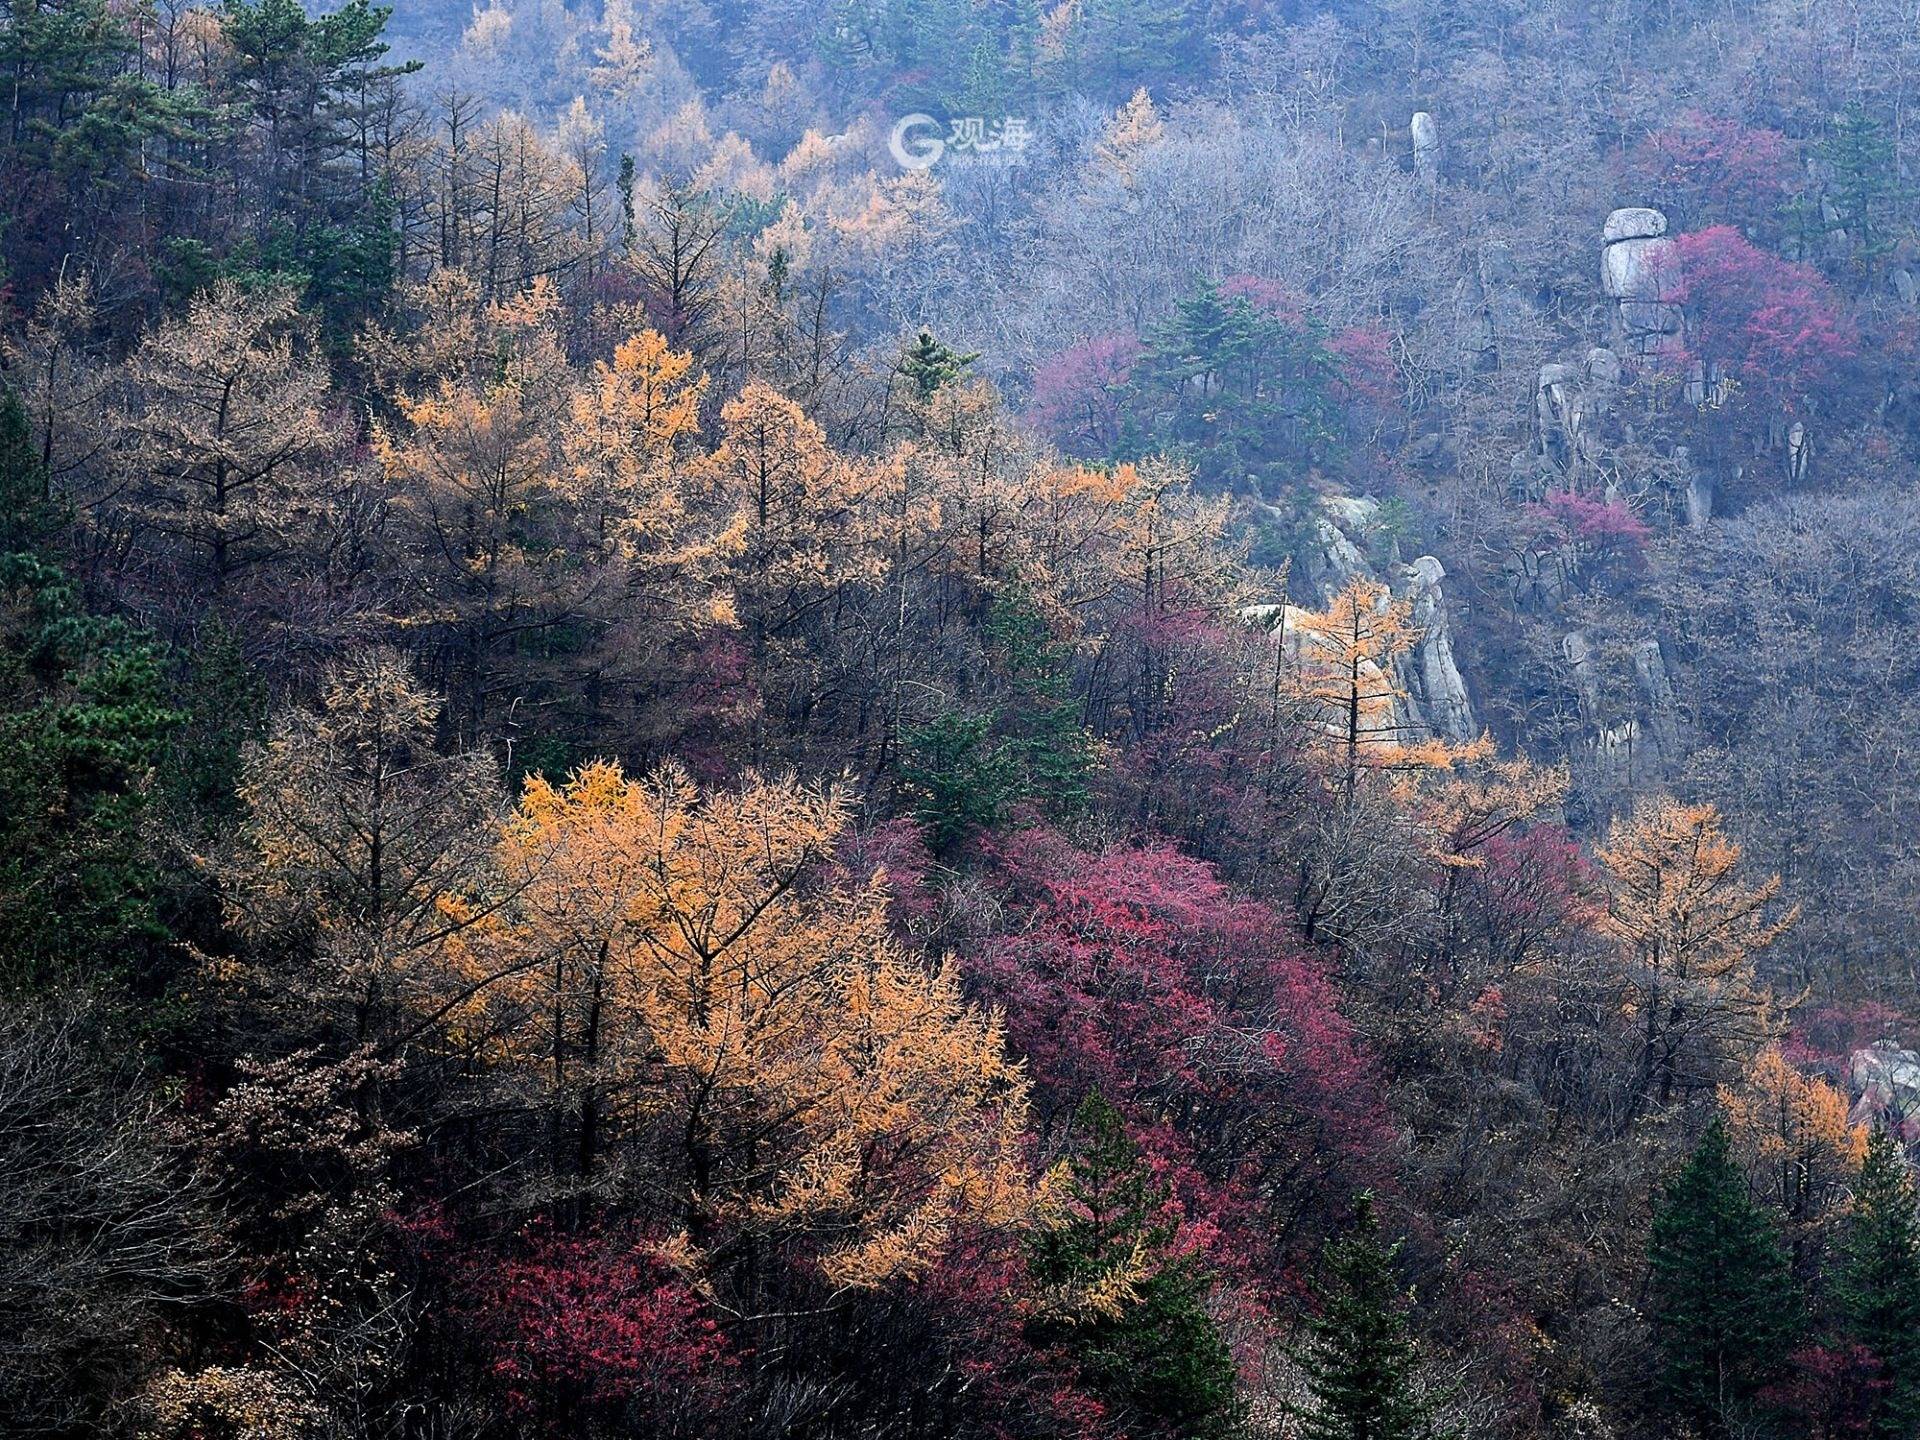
{"x":356,"y":826}
{"x":226,"y":430}
{"x":1794,"y":1131}
{"x":804,"y":542}
{"x":768,"y":1064}
{"x":628,"y":423}
{"x":1687,"y":926}
{"x":1347,"y":655}
{"x":477,"y":479}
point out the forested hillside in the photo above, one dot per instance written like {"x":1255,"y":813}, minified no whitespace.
{"x":928,"y":718}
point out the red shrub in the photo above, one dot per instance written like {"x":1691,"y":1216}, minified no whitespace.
{"x":1709,"y":167}
{"x":1077,"y":393}
{"x":1363,"y":356}
{"x":1829,"y":1391}
{"x":1136,"y":972}
{"x":1270,"y":297}
{"x":898,"y":847}
{"x":590,"y":1322}
{"x":1774,"y":327}
{"x":1602,"y":528}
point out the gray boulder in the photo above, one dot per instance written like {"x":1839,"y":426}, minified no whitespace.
{"x":1427,"y":152}
{"x":1633,"y":255}
{"x":1885,"y":1081}
{"x":1436,"y":692}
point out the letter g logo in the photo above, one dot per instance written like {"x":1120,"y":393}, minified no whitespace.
{"x":915,"y":152}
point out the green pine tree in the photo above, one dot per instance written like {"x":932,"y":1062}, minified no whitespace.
{"x":1245,"y":395}
{"x":83,"y":125}
{"x":929,"y":365}
{"x":927,"y":45}
{"x":983,"y":89}
{"x":1863,"y":186}
{"x":1023,"y":53}
{"x":1361,"y":1360}
{"x":223,"y":704}
{"x":1129,"y":1313}
{"x":1117,"y":46}
{"x":310,"y":86}
{"x":85,"y":721}
{"x":77,"y":104}
{"x":959,"y":776}
{"x":1725,"y":1311}
{"x":1053,"y":751}
{"x":624,"y":186}
{"x":1879,"y":1285}
{"x":25,"y":506}
{"x":851,"y":37}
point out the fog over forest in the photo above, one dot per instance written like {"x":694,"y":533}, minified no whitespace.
{"x":959,"y":720}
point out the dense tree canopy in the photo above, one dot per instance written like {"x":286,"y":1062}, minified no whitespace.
{"x":1110,"y":719}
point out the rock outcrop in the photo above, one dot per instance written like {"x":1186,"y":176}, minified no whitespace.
{"x":1433,"y":699}
{"x":1335,"y":559}
{"x":1656,"y":693}
{"x":1700,"y":492}
{"x":1427,"y":152}
{"x":1706,"y":385}
{"x":1436,"y":692}
{"x":1799,"y":453}
{"x":1493,"y":303}
{"x":1631,"y":743}
{"x":1633,"y":255}
{"x":1885,"y":1081}
{"x":1570,"y":402}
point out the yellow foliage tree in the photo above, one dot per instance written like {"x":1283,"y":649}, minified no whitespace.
{"x":356,"y":826}
{"x":222,"y":1402}
{"x":1687,"y":927}
{"x":1467,"y":807}
{"x":1133,"y":129}
{"x":626,"y":60}
{"x":1793,"y":1127}
{"x":894,"y":218}
{"x":804,"y":533}
{"x":983,"y":483}
{"x":701,"y":987}
{"x":227,"y":427}
{"x":477,"y":477}
{"x":444,"y":340}
{"x":64,"y":388}
{"x":1347,"y":654}
{"x":800,"y":504}
{"x":628,"y":423}
{"x":518,"y":228}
